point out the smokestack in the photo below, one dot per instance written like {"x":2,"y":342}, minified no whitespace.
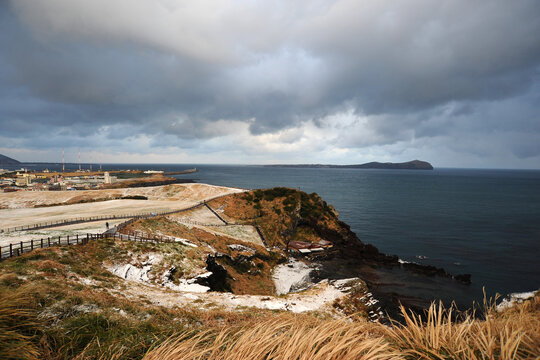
{"x":63,"y":162}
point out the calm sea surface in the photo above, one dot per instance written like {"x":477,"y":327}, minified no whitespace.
{"x":482,"y":222}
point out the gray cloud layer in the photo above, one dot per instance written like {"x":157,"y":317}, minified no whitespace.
{"x":443,"y":80}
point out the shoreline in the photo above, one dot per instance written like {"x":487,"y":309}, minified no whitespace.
{"x":377,"y":272}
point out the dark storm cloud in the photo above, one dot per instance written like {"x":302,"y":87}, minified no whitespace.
{"x":176,"y":73}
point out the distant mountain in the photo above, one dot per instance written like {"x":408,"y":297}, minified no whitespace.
{"x":4,"y":160}
{"x":409,"y":165}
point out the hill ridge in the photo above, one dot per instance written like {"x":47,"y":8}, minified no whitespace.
{"x":408,"y":165}
{"x":4,"y":160}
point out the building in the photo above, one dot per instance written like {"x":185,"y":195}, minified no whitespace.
{"x":24,"y":179}
{"x":303,"y":247}
{"x":108,"y":179}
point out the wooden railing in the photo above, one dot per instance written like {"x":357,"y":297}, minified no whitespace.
{"x":21,"y":247}
{"x":143,"y":237}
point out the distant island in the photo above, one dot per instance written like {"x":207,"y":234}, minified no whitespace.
{"x":4,"y":160}
{"x":409,"y":165}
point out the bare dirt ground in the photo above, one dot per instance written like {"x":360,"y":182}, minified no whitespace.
{"x":200,"y":215}
{"x":203,"y":216}
{"x":174,"y":192}
{"x":245,"y":233}
{"x":19,"y":207}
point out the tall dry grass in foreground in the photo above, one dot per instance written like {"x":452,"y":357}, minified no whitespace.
{"x":514,"y":334}
{"x":18,"y":328}
{"x":280,"y":338}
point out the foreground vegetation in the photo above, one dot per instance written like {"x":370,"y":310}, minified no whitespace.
{"x":512,"y":335}
{"x":48,"y":312}
{"x":198,"y":335}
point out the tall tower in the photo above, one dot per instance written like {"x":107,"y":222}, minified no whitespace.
{"x":63,"y":162}
{"x":100,"y":161}
{"x":79,"y":159}
{"x":90,"y":161}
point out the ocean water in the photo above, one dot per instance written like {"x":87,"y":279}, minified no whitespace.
{"x":482,"y":222}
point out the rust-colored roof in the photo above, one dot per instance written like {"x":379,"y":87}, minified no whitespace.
{"x":299,"y":245}
{"x":306,"y":245}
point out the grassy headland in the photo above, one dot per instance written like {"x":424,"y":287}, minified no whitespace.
{"x":127,"y":300}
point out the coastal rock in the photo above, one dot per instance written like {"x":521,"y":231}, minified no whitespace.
{"x":464,"y":278}
{"x":219,"y":280}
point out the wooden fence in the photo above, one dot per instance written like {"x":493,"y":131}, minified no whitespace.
{"x":21,"y":247}
{"x":143,"y":237}
{"x":94,"y":218}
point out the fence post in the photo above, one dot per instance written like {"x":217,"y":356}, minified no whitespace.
{"x":42,"y":243}
{"x":21,"y":247}
{"x":48,"y":242}
{"x":68,"y":239}
{"x":31,"y":245}
{"x":10,"y":250}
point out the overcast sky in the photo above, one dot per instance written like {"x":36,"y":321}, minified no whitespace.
{"x":453,"y":82}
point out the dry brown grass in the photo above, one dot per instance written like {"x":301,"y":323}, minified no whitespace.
{"x":18,"y":329}
{"x":496,"y":337}
{"x":282,"y":337}
{"x":283,"y":215}
{"x":513,"y":334}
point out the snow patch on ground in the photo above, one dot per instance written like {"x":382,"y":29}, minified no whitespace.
{"x":185,"y":242}
{"x":515,"y":298}
{"x":134,"y":273}
{"x":319,"y":298}
{"x":189,"y":285}
{"x":292,"y":276}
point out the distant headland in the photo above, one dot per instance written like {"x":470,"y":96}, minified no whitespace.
{"x":409,"y":165}
{"x":4,"y":160}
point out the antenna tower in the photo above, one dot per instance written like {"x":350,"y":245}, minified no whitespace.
{"x":79,"y":159}
{"x":63,"y":163}
{"x":90,"y":161}
{"x":100,"y":161}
